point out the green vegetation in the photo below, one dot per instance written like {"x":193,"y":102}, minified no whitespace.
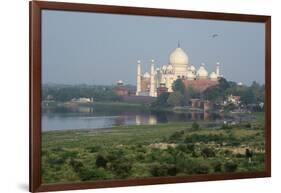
{"x":175,"y":99}
{"x":249,"y":95}
{"x":171,"y":149}
{"x":178,"y":86}
{"x":253,"y":94}
{"x":180,"y":96}
{"x":63,"y":93}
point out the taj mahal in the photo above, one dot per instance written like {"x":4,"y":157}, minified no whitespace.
{"x":161,"y":79}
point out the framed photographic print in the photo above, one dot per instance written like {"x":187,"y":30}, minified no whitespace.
{"x":123,"y":96}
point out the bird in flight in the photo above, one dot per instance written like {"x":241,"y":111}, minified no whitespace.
{"x":215,"y":35}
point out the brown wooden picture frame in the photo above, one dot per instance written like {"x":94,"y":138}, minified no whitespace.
{"x":35,"y":93}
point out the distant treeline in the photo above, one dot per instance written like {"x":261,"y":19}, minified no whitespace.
{"x":64,"y":93}
{"x":253,"y":94}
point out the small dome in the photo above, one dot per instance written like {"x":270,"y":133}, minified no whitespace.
{"x":190,"y":75}
{"x":157,"y":69}
{"x":120,"y":82}
{"x":170,"y":67}
{"x":213,"y":76}
{"x":192,"y":68}
{"x":202,"y":72}
{"x":164,"y":67}
{"x":146,"y":75}
{"x":178,"y":57}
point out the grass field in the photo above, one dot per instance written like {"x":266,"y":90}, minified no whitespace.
{"x":170,"y":149}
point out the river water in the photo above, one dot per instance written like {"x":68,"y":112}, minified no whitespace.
{"x":88,"y":118}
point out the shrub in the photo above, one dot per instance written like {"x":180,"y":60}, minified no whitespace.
{"x":101,"y":161}
{"x":87,"y":174}
{"x":182,"y":147}
{"x":94,"y":149}
{"x":186,"y":148}
{"x":122,"y":168}
{"x":69,"y":154}
{"x":227,"y":152}
{"x":57,"y":149}
{"x":208,"y":152}
{"x":226,"y":127}
{"x":176,"y":136}
{"x":140,"y":156}
{"x":204,"y":138}
{"x":76,"y":165}
{"x":115,"y":154}
{"x":230,"y":166}
{"x":190,"y":147}
{"x":195,"y":126}
{"x":158,"y":169}
{"x":55,"y":160}
{"x":201,"y":169}
{"x":181,"y":163}
{"x":217,"y":167}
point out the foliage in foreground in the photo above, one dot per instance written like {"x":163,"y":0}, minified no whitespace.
{"x":171,"y":149}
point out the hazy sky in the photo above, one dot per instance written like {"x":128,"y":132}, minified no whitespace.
{"x":96,"y":48}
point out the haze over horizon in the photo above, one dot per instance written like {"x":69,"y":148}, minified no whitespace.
{"x":95,"y":48}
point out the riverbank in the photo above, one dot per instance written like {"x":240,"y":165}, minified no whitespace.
{"x":119,"y":106}
{"x":138,"y":151}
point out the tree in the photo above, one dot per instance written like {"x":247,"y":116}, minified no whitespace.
{"x":178,"y":86}
{"x":175,"y":99}
{"x":223,"y":84}
{"x":67,"y":92}
{"x":248,"y":97}
{"x":218,"y":92}
{"x":161,"y":100}
{"x":192,"y":93}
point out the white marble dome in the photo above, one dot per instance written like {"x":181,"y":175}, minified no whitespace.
{"x":192,"y":68}
{"x":146,"y":75}
{"x":213,"y":76}
{"x":202,"y":72}
{"x":178,"y":57}
{"x":170,"y":68}
{"x":190,"y":75}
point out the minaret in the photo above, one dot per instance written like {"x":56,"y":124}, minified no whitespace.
{"x":138,"y":78}
{"x":152,"y":91}
{"x":218,"y":69}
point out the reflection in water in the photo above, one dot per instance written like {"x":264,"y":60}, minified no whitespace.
{"x":63,"y":118}
{"x":150,"y":119}
{"x":206,"y":116}
{"x":119,"y":120}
